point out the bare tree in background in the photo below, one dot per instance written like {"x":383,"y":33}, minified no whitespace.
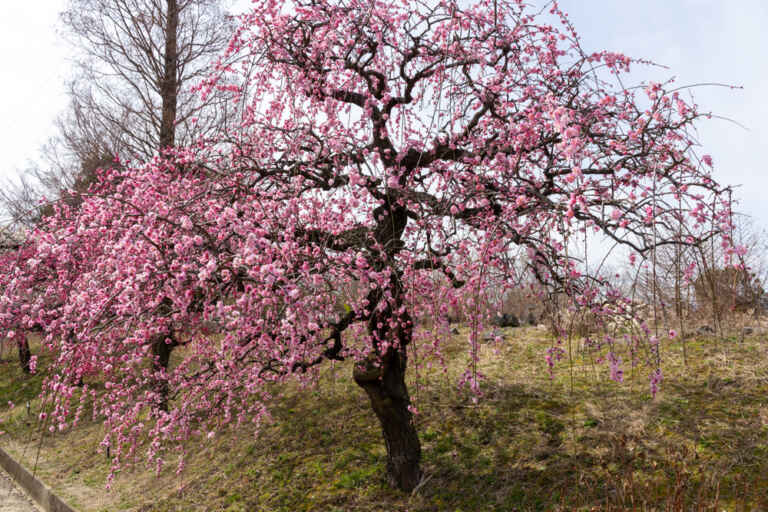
{"x":727,"y":288}
{"x":716,"y":290}
{"x":131,"y":95}
{"x":139,"y":61}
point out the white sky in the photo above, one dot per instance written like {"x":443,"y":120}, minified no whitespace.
{"x":700,"y":40}
{"x":32,"y":78}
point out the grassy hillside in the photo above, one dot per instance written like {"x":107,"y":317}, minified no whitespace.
{"x":577,"y":441}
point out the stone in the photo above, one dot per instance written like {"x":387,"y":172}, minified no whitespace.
{"x":505,"y":320}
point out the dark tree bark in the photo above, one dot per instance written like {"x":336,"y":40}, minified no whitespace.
{"x":169,"y":87}
{"x":385,"y":386}
{"x":382,"y":376}
{"x":161,"y":351}
{"x":25,"y":354}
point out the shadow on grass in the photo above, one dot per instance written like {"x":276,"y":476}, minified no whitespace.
{"x":528,"y":444}
{"x":521,"y":448}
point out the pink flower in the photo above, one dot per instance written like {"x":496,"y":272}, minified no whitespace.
{"x":617,"y":374}
{"x":656,"y":379}
{"x":360,"y":261}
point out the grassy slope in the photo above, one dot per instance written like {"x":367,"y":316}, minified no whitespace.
{"x":531,"y":443}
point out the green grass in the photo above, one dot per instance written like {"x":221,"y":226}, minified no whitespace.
{"x":530,"y":443}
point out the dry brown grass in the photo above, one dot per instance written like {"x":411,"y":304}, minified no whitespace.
{"x":576,"y":441}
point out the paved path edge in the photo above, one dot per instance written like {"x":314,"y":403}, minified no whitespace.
{"x":36,"y":490}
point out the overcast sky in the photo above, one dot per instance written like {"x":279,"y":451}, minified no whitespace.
{"x":32,"y":78}
{"x":699,"y":40}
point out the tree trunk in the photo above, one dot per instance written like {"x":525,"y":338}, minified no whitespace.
{"x":385,"y":385}
{"x":162,"y":352}
{"x":382,"y":375}
{"x":169,"y":86}
{"x":25,"y":355}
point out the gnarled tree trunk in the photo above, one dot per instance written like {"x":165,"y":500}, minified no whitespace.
{"x":382,"y":375}
{"x":385,"y":386}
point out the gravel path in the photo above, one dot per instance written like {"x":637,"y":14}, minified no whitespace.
{"x":11,"y":498}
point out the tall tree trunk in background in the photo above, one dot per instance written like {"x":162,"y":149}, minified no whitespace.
{"x":168,"y":93}
{"x":169,"y":87}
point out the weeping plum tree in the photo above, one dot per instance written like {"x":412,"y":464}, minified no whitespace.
{"x":9,"y":256}
{"x":399,"y":151}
